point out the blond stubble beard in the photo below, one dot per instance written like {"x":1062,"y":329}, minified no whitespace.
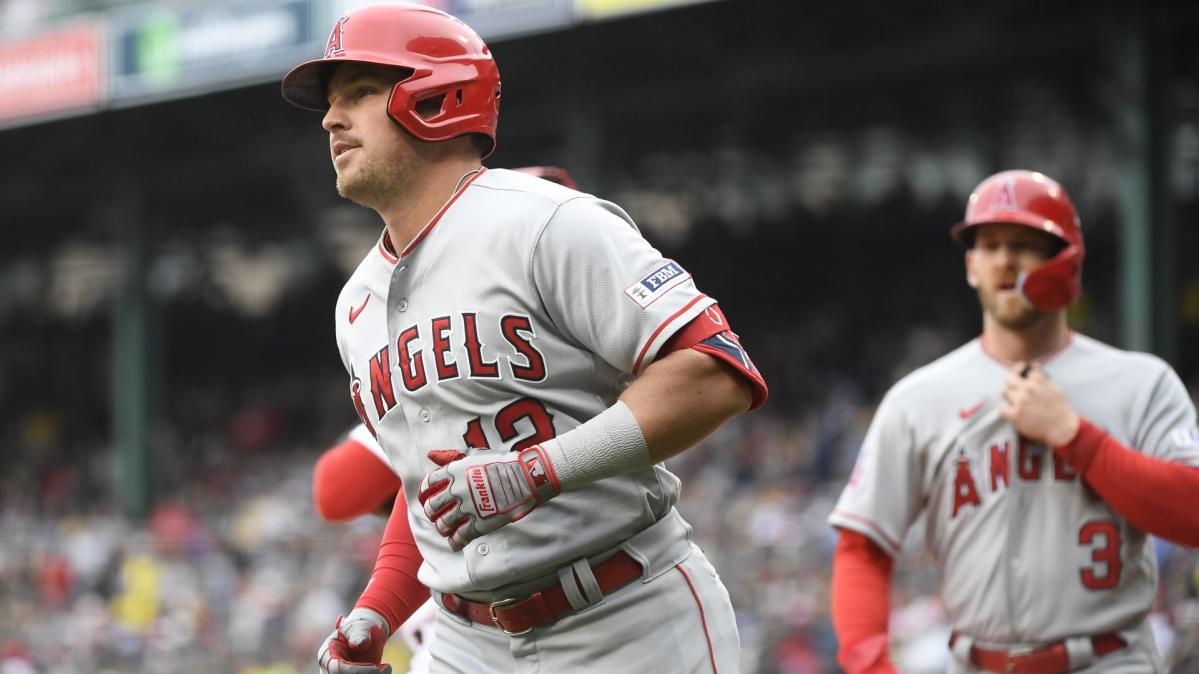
{"x":374,"y":182}
{"x":1016,"y":315}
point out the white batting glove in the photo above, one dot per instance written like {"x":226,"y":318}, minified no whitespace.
{"x":472,"y":495}
{"x":356,"y":645}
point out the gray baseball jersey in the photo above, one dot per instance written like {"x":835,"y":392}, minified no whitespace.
{"x":520,"y":311}
{"x":1027,"y":554}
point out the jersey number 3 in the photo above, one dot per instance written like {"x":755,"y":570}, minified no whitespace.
{"x":1104,"y":574}
{"x":506,"y":422}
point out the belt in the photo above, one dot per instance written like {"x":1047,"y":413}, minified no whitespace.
{"x":1051,"y":659}
{"x":519,"y":616}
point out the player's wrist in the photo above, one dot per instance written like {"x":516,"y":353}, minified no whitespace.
{"x":869,"y":655}
{"x":539,"y":471}
{"x":609,"y":444}
{"x":1067,"y":431}
{"x":371,"y":616}
{"x":1081,"y":448}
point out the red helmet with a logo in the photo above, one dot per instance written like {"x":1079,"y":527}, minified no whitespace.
{"x":1034,"y":200}
{"x":450,"y":64}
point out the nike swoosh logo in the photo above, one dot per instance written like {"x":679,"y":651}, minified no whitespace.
{"x":967,"y":412}
{"x":354,"y":312}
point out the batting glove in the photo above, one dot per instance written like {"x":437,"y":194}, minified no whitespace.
{"x":356,"y":645}
{"x":472,"y":495}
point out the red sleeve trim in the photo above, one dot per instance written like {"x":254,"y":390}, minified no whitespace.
{"x":861,"y":603}
{"x":710,"y":333}
{"x":649,"y":342}
{"x":1156,"y":496}
{"x":869,"y":524}
{"x":350,"y":481}
{"x":710,"y":322}
{"x":394,"y":590}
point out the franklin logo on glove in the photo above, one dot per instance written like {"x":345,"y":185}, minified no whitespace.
{"x":482,"y":491}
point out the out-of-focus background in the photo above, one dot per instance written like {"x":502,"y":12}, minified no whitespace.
{"x":172,"y":245}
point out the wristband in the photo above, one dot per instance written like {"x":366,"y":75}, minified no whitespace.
{"x":609,"y":444}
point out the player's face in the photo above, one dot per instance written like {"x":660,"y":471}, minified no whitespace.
{"x":372,"y":155}
{"x":1001,"y":252}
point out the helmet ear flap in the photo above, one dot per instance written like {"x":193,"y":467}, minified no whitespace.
{"x":1055,"y":284}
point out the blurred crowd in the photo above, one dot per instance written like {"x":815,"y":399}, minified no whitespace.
{"x":234,"y":572}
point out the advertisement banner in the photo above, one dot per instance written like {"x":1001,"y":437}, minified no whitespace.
{"x":160,"y":51}
{"x":605,"y":9}
{"x":58,"y":71}
{"x":491,"y":19}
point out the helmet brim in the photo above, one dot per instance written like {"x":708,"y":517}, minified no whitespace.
{"x":963,"y":232}
{"x":307,"y":84}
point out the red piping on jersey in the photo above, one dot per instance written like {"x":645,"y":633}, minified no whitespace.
{"x":648,"y":342}
{"x":702,"y":620}
{"x":385,"y":240}
{"x":384,"y":244}
{"x":872,"y":526}
{"x":1043,"y":360}
{"x":429,"y":227}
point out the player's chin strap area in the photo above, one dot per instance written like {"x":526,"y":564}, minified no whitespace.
{"x":1057,"y":658}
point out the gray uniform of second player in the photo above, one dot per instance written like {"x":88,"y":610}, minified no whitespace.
{"x":520,"y":312}
{"x":1027,"y":554}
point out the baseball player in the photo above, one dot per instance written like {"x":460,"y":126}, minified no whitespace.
{"x":1040,"y":458}
{"x":527,"y":361}
{"x":355,"y":478}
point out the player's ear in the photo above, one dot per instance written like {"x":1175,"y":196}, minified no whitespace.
{"x":971,"y":278}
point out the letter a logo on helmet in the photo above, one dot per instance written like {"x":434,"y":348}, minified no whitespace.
{"x":450,"y":73}
{"x":1005,"y":196}
{"x":333,"y":47}
{"x":1033,"y":200}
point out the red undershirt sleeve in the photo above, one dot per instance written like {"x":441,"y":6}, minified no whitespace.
{"x":1156,"y":496}
{"x":349,"y":481}
{"x":861,"y":604}
{"x":394,"y":590}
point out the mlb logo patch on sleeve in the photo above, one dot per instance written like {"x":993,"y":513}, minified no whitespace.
{"x":656,"y":284}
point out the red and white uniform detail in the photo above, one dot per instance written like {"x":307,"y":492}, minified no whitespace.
{"x":1027,"y":553}
{"x":521,"y":311}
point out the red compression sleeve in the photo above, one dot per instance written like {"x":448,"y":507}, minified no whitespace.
{"x":350,"y":481}
{"x":861,"y":603}
{"x":394,"y":591}
{"x":1156,"y":496}
{"x":710,"y":333}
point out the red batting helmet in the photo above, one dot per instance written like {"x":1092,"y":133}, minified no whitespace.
{"x":553,"y":174}
{"x":448,"y":60}
{"x":1034,"y":200}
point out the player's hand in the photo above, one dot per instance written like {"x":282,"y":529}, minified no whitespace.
{"x":356,"y":645}
{"x":1037,"y":407}
{"x":469,"y":496}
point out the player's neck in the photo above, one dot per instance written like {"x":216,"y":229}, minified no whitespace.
{"x":1017,"y":345}
{"x":408,"y":214}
